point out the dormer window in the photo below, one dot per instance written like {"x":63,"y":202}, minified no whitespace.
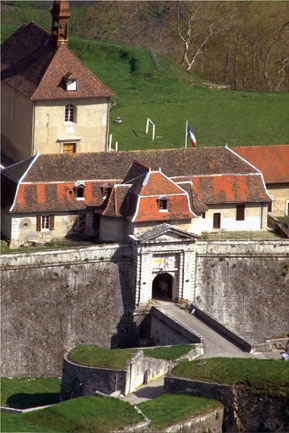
{"x":105,"y":190}
{"x":71,"y":83}
{"x":70,"y":113}
{"x":79,"y":190}
{"x":163,"y":204}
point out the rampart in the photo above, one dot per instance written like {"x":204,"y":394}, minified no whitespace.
{"x":245,"y":410}
{"x":245,"y":286}
{"x":54,"y":300}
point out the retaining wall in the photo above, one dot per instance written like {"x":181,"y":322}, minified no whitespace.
{"x":245,"y":411}
{"x":54,"y":300}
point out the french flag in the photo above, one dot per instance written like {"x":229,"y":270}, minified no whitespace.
{"x":192,"y":137}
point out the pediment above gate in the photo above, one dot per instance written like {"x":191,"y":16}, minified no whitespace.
{"x":164,"y":233}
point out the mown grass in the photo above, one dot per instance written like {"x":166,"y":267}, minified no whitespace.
{"x":169,"y":409}
{"x":257,"y":374}
{"x":170,"y":96}
{"x":81,"y":415}
{"x":170,"y":353}
{"x":95,"y":356}
{"x":25,"y":392}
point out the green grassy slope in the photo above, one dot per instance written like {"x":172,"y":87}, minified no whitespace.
{"x":169,"y":95}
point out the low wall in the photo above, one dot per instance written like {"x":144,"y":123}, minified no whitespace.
{"x":79,"y":380}
{"x":229,"y":334}
{"x":209,"y":422}
{"x":167,"y":331}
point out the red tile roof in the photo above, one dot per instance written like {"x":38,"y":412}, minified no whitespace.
{"x":272,"y":161}
{"x":36,"y":69}
{"x":231,"y":189}
{"x":193,"y":178}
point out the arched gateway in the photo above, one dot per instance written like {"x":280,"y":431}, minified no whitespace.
{"x":162,"y":286}
{"x":165,"y":258}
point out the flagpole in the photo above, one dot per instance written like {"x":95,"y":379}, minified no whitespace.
{"x":186,"y":134}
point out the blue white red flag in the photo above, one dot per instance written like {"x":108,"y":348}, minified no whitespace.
{"x":192,"y":137}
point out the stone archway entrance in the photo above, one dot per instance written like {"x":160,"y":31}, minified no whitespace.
{"x":163,"y":286}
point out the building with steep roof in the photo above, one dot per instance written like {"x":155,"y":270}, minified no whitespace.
{"x":113,"y":195}
{"x":51,"y":102}
{"x":273,"y":162}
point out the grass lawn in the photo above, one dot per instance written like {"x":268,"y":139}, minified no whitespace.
{"x":261,"y":235}
{"x":257,"y":374}
{"x":81,"y":415}
{"x":159,"y":410}
{"x":95,"y":356}
{"x":25,"y":392}
{"x":172,"y":95}
{"x":170,"y":353}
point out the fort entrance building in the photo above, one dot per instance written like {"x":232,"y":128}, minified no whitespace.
{"x":165,"y":257}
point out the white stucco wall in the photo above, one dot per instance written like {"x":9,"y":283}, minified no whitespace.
{"x":255,"y":217}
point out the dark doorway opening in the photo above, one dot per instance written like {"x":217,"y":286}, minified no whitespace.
{"x":163,"y":286}
{"x":217,"y":221}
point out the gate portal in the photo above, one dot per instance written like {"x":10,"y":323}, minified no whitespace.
{"x":163,"y":286}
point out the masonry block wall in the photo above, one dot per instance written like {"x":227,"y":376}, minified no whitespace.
{"x":54,"y":300}
{"x":245,"y":285}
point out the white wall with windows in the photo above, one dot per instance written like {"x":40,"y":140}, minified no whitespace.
{"x":242,"y":217}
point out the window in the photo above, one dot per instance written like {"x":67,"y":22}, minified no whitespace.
{"x":203,"y":214}
{"x":71,"y":85}
{"x":79,"y":189}
{"x":44,"y":222}
{"x":69,"y":113}
{"x":240,"y":212}
{"x":80,"y":192}
{"x":163,"y":203}
{"x":69,"y":148}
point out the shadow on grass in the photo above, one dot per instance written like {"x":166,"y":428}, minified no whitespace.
{"x":25,"y":401}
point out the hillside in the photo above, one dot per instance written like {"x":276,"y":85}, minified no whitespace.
{"x":150,"y":85}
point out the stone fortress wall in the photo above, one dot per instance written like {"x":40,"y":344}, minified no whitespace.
{"x":54,"y":300}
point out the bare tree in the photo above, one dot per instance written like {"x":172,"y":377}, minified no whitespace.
{"x":196,"y":25}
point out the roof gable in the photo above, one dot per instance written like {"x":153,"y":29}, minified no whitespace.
{"x":36,"y":68}
{"x":164,"y":233}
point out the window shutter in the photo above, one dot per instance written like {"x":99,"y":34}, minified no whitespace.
{"x":38,"y":223}
{"x":51,"y":222}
